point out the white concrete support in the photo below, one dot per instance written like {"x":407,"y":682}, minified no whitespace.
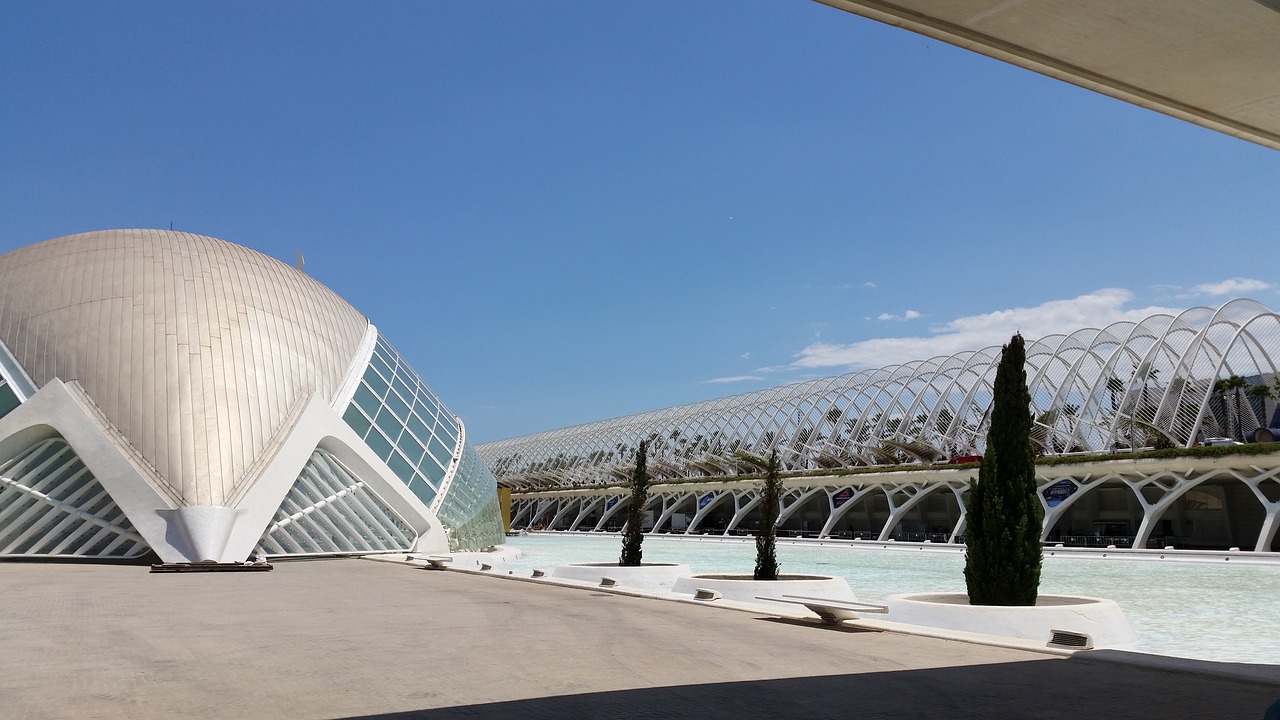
{"x":587,"y":507}
{"x":1272,"y":520}
{"x":716,"y":498}
{"x":1269,"y":525}
{"x":793,"y":500}
{"x":670,"y":503}
{"x":1171,"y":487}
{"x":959,"y":489}
{"x":1160,"y":485}
{"x":181,"y":531}
{"x":565,"y":505}
{"x":206,"y":529}
{"x":744,"y":501}
{"x":618,"y":503}
{"x":525,"y":507}
{"x":1084,"y":483}
{"x":543,"y":507}
{"x":915,"y":493}
{"x":834,"y":513}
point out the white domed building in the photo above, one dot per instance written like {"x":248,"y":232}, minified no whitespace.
{"x":177,"y":394}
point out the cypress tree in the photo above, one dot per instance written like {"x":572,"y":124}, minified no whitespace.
{"x":767,"y":536}
{"x":633,"y":534}
{"x":1004,"y":516}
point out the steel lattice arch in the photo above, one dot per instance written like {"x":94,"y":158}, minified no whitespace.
{"x":1167,"y":381}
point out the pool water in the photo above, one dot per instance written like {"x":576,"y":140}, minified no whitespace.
{"x":1207,"y":611}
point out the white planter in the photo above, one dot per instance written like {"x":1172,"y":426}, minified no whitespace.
{"x":647,"y":576}
{"x":744,"y":588}
{"x":1101,"y":620}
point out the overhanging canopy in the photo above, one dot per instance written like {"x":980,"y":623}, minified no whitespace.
{"x":1215,"y":63}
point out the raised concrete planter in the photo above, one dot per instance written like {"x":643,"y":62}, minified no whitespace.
{"x":1102,"y":621}
{"x":744,"y":588}
{"x":648,"y":576}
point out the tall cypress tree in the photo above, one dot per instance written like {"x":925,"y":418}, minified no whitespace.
{"x":767,"y":535}
{"x":633,"y":534}
{"x":1004,"y":516}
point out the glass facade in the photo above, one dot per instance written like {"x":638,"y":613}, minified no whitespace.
{"x":404,"y":422}
{"x":52,"y":505}
{"x":470,"y":511}
{"x":407,"y":426}
{"x":329,"y":510}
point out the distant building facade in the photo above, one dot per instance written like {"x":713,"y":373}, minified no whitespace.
{"x":1206,"y":375}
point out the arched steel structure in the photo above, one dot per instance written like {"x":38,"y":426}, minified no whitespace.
{"x":1154,"y":382}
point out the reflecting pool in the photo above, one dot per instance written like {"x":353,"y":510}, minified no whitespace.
{"x":1207,"y":611}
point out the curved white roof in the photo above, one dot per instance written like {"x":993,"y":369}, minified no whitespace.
{"x":1123,"y":385}
{"x":196,"y":349}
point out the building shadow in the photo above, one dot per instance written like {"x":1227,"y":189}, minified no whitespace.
{"x":1049,"y":689}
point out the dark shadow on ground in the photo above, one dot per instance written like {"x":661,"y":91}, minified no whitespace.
{"x":1051,"y":689}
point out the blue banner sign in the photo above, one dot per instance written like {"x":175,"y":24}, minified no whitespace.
{"x":1059,"y":491}
{"x":608,"y":504}
{"x":705,"y":500}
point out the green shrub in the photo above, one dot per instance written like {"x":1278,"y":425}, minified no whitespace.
{"x":633,"y":534}
{"x":1004,"y":516}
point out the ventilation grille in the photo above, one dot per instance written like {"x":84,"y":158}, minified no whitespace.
{"x":51,"y":505}
{"x":330,"y":510}
{"x":1068,"y":639}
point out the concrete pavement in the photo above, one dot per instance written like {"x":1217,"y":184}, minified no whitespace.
{"x":355,"y":638}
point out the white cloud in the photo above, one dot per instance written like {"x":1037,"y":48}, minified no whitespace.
{"x":745,"y":356}
{"x":1232,"y":286}
{"x":733,"y":379}
{"x":973,"y":332}
{"x":870,"y":285}
{"x":908,"y":315}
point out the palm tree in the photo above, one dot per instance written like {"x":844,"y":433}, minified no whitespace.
{"x":1262,"y":391}
{"x":1115,"y":386}
{"x":1231,"y":386}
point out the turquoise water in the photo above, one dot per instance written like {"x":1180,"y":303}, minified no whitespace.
{"x":1207,"y":611}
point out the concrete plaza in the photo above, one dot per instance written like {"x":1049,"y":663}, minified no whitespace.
{"x":361,"y":639}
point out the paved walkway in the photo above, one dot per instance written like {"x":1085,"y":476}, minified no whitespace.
{"x":355,"y":638}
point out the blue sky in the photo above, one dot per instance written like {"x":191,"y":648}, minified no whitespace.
{"x":567,"y":211}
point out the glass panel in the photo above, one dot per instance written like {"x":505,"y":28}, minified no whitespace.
{"x":356,"y":420}
{"x":8,"y":400}
{"x":400,"y":467}
{"x":430,"y":408}
{"x":374,"y":381}
{"x":405,"y":391}
{"x":390,"y":424}
{"x":419,"y":429}
{"x":380,"y":446}
{"x":365,"y":399}
{"x":442,"y":454}
{"x":434,"y":472}
{"x":398,"y":406}
{"x":380,"y":365}
{"x":425,"y":492}
{"x":447,"y":431}
{"x":411,"y":448}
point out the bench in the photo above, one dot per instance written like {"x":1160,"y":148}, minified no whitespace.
{"x":831,"y":610}
{"x":437,"y":562}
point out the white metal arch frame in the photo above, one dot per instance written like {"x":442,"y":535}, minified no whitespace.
{"x":1092,"y":390}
